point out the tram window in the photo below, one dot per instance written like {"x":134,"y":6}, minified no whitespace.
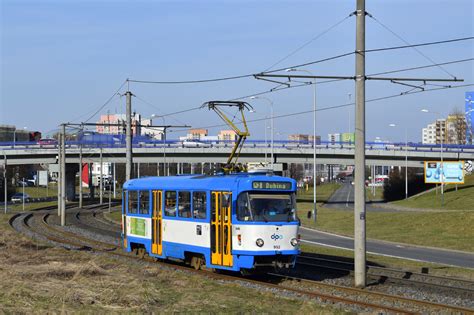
{"x":213,"y":207}
{"x":144,"y":202}
{"x":170,"y":203}
{"x":199,"y":204}
{"x":132,"y":201}
{"x":184,"y":204}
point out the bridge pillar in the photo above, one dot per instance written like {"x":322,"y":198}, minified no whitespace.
{"x":71,"y":170}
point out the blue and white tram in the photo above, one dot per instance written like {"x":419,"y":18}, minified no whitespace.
{"x":240,"y":222}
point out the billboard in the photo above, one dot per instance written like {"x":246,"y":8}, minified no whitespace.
{"x":447,"y":172}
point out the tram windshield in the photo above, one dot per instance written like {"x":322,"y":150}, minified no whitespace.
{"x":266,"y":207}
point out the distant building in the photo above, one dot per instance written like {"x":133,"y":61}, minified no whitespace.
{"x":311,"y":139}
{"x":117,"y":125}
{"x":9,"y":133}
{"x":456,"y":129}
{"x":334,"y":138}
{"x":298,"y":137}
{"x":435,"y":132}
{"x":227,"y":135}
{"x":469,"y":113}
{"x":196,"y":134}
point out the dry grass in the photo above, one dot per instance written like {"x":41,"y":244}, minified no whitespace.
{"x":37,"y":278}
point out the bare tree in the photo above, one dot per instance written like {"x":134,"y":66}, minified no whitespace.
{"x":456,"y":127}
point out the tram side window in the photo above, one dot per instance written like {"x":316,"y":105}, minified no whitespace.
{"x":144,"y":202}
{"x":184,"y":204}
{"x":170,"y":203}
{"x":199,"y":204}
{"x":132,"y":201}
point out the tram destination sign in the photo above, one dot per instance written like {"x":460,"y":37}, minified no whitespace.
{"x":271,"y":185}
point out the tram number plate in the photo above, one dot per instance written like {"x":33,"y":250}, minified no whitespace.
{"x":276,"y":246}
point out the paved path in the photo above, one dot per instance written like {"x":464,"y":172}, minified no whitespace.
{"x":343,"y":199}
{"x":433,"y":255}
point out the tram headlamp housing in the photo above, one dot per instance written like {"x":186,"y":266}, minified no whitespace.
{"x":259,"y":242}
{"x":294,"y":242}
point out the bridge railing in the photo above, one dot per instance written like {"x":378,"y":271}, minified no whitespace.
{"x":143,"y":142}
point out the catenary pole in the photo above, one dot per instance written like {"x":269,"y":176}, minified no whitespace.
{"x":5,"y":190}
{"x":101,"y":182}
{"x":58,"y":178}
{"x":80,"y":173}
{"x":359,"y":181}
{"x":63,"y":175}
{"x":128,"y":133}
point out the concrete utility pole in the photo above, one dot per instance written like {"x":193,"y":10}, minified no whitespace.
{"x":5,"y":190}
{"x":360,"y":278}
{"x":101,"y":183}
{"x":80,"y":174}
{"x":58,"y":178}
{"x":63,"y":175}
{"x":128,"y":135}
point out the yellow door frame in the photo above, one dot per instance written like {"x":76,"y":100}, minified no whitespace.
{"x":221,"y":227}
{"x":157,"y":223}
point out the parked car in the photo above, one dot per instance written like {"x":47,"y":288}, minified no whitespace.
{"x":18,"y":197}
{"x":47,"y":141}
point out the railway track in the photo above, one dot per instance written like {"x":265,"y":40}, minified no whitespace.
{"x":391,"y":275}
{"x":42,"y":225}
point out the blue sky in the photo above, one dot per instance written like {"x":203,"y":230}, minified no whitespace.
{"x":61,"y":60}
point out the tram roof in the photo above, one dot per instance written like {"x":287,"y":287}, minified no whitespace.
{"x":206,"y":182}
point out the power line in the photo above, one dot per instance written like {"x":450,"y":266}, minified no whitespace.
{"x":156,"y":107}
{"x":192,"y":81}
{"x":103,"y":105}
{"x":406,"y":42}
{"x":345,"y":105}
{"x":278,"y":88}
{"x":419,"y":45}
{"x":423,"y":67}
{"x":297,"y":66}
{"x":308,"y":42}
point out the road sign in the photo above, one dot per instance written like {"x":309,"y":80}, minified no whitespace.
{"x":448,"y":173}
{"x":43,"y":178}
{"x":468,"y":167}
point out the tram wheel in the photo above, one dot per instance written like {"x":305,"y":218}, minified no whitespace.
{"x":196,"y":262}
{"x":141,"y":253}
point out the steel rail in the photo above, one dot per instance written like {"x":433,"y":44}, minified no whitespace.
{"x":393,"y":279}
{"x":275,"y":286}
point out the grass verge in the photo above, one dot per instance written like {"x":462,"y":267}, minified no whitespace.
{"x":451,"y":230}
{"x":462,"y":199}
{"x":38,"y":278}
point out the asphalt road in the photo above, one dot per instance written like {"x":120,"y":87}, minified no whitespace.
{"x":343,"y":198}
{"x":440,"y":256}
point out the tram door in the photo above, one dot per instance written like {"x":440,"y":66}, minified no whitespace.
{"x":124,"y":217}
{"x":221,"y":227}
{"x":157,"y":223}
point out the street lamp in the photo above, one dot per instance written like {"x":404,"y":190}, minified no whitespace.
{"x":441,"y":153}
{"x":266,"y":127}
{"x":406,"y":159}
{"x":314,"y":137}
{"x":271,"y":123}
{"x":164,"y":142}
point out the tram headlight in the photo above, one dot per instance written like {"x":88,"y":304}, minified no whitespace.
{"x":259,"y":242}
{"x":294,"y":241}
